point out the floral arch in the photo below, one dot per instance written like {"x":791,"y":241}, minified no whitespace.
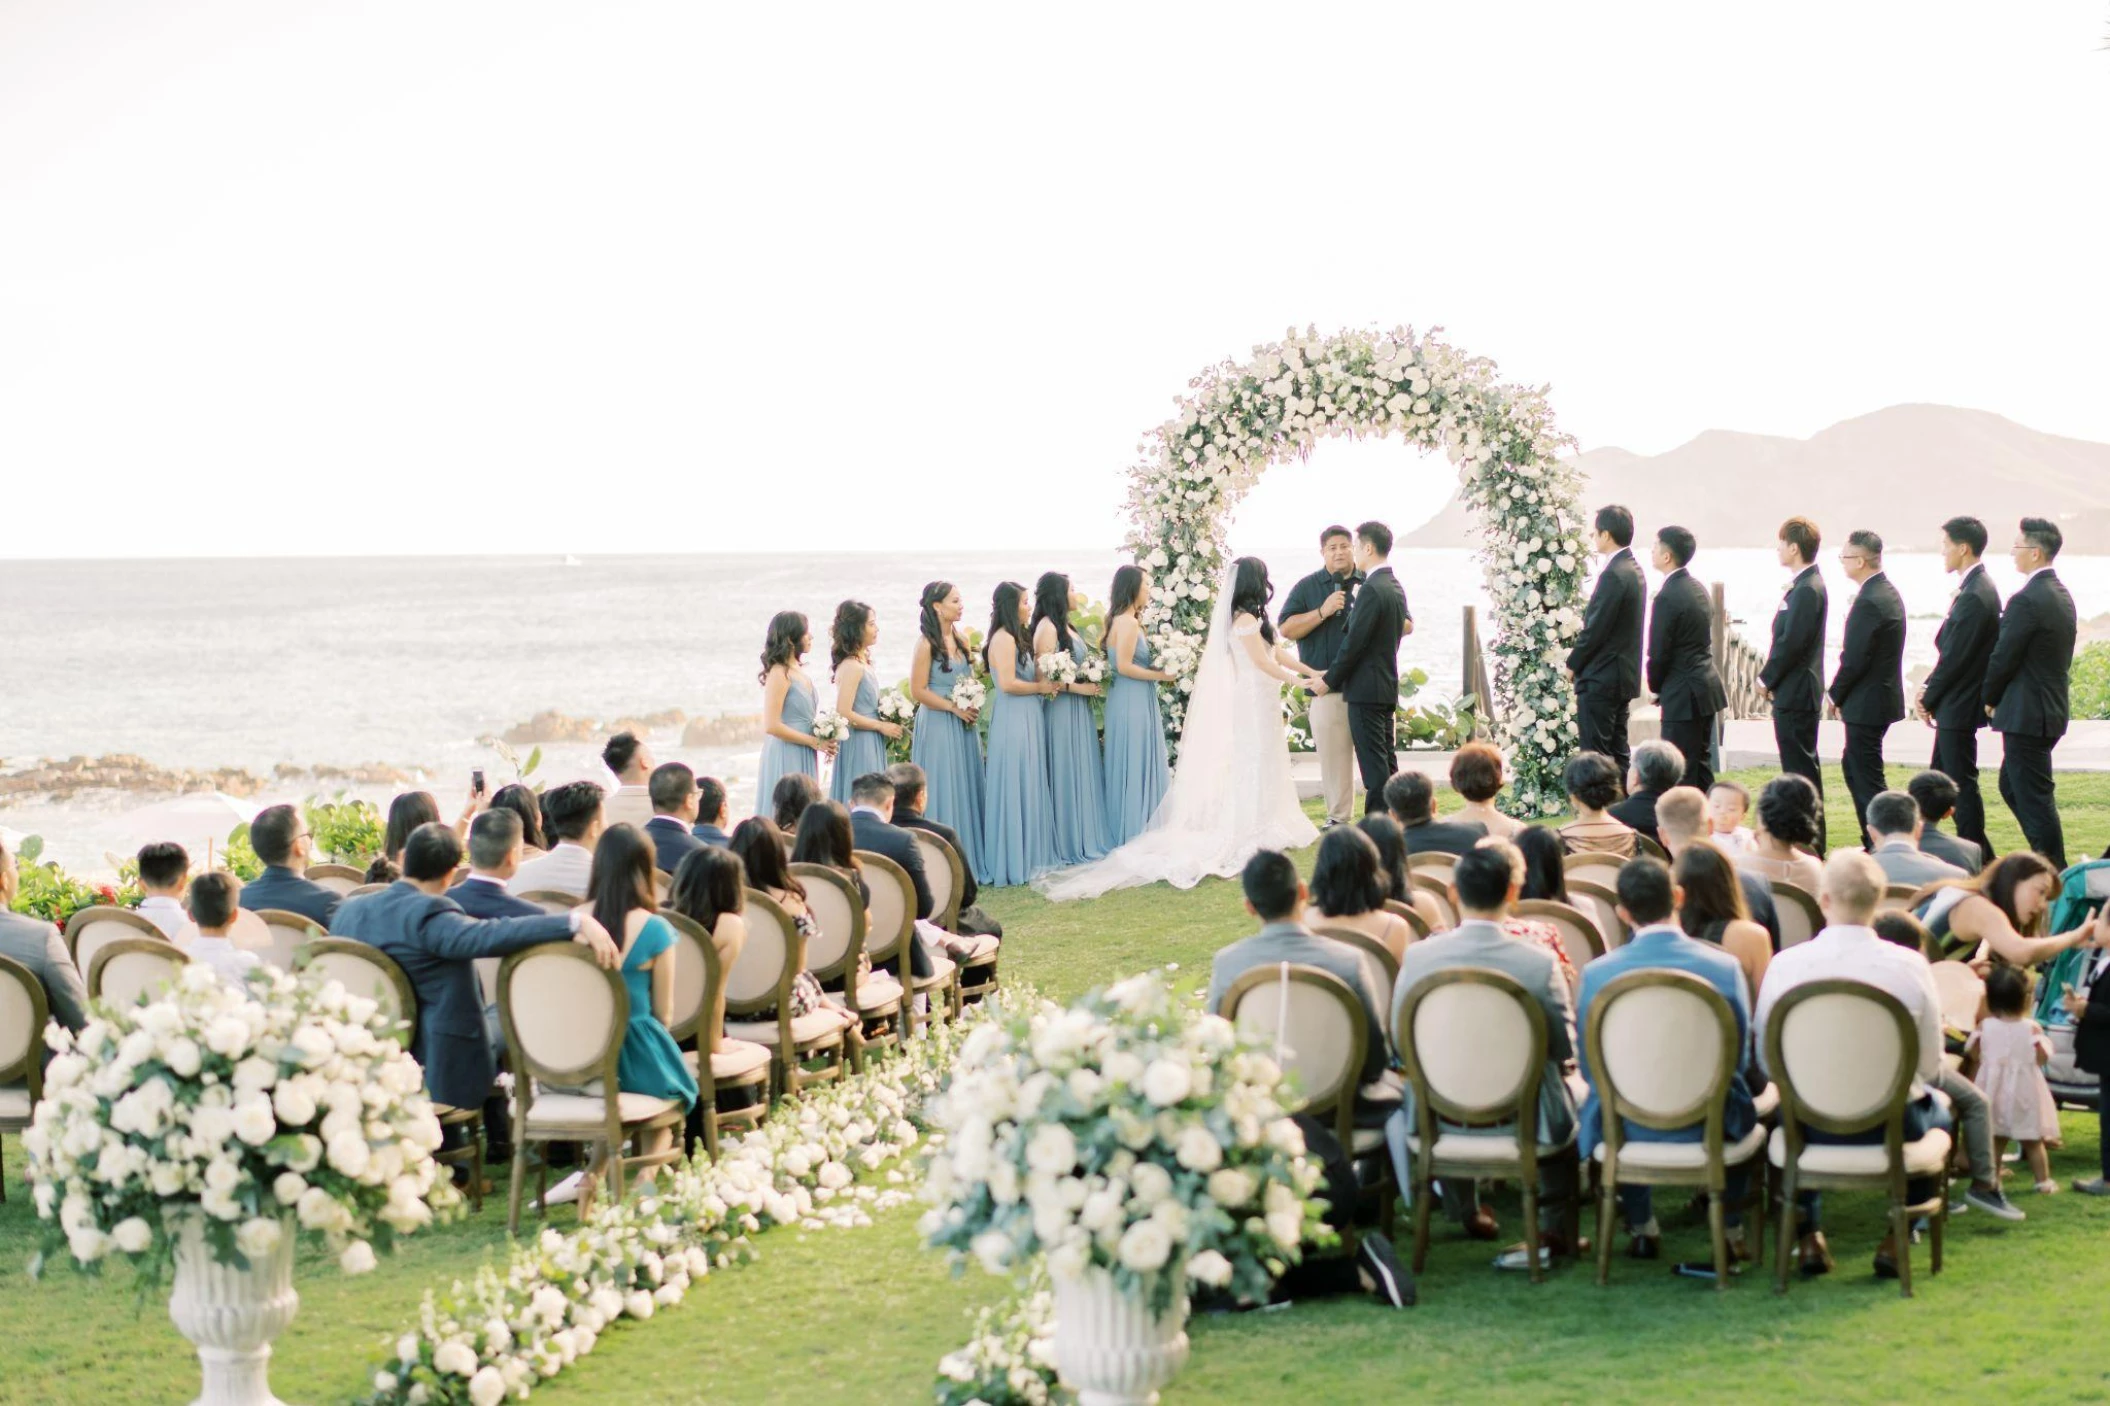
{"x":1237,"y":420}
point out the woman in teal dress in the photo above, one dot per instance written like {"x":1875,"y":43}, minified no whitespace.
{"x":857,"y":698}
{"x":620,"y":890}
{"x":946,"y":744}
{"x":1136,"y":774}
{"x":788,"y":704}
{"x":1018,"y":809}
{"x":1076,"y":771}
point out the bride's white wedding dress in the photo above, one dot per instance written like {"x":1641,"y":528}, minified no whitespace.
{"x":1232,"y":794}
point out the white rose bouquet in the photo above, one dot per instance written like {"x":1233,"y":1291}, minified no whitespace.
{"x":895,"y":706}
{"x":970,"y":694}
{"x":1093,"y":669}
{"x":1129,"y":1132}
{"x":1178,"y":655}
{"x":286,"y":1102}
{"x":1056,"y":666}
{"x":829,"y":726}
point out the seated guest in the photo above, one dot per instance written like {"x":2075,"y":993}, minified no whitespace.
{"x":1535,"y":930}
{"x":760,"y":850}
{"x":1592,"y":783}
{"x":405,"y":814}
{"x":1411,"y":797}
{"x":213,"y":909}
{"x":874,"y":798}
{"x":1647,"y":900}
{"x":495,"y":852}
{"x":1484,"y":887}
{"x":1787,"y":817}
{"x":2005,"y":907}
{"x":279,"y":835}
{"x":1894,"y":841}
{"x":1545,"y":877}
{"x":2089,"y":1009}
{"x":710,"y":812}
{"x":1395,"y":873}
{"x":1727,"y":805}
{"x":794,"y":791}
{"x":1476,"y":775}
{"x":437,"y":944}
{"x":39,"y":946}
{"x":1935,"y":795}
{"x":1276,"y":896}
{"x":381,"y":870}
{"x":1347,"y":890}
{"x":709,"y":888}
{"x":630,"y":803}
{"x":528,"y":806}
{"x":1681,"y":819}
{"x":164,"y":873}
{"x":911,"y":789}
{"x":1711,"y":907}
{"x":1657,"y":766}
{"x":675,"y":801}
{"x":824,"y":838}
{"x":572,"y":820}
{"x":1847,"y":949}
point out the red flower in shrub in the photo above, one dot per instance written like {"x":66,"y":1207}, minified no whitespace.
{"x":109,"y":894}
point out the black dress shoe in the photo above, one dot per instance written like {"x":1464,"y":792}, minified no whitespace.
{"x":1392,"y":1283}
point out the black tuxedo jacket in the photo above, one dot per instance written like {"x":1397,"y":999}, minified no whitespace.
{"x":2026,"y":679}
{"x":893,"y":842}
{"x":280,"y":888}
{"x":1962,"y":646}
{"x":2091,"y":1038}
{"x":1870,"y":684}
{"x":1606,"y":656}
{"x":1638,"y":812}
{"x":1681,"y":669}
{"x":1367,"y":668}
{"x":671,"y":842}
{"x":969,"y":892}
{"x":1443,"y":836}
{"x":1794,"y":668}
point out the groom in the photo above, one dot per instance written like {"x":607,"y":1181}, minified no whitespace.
{"x":1366,"y":671}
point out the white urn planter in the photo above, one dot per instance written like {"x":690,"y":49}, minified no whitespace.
{"x":1109,"y":1347}
{"x":231,"y":1315}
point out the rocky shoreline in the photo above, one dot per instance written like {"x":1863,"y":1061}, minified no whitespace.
{"x":549,"y":725}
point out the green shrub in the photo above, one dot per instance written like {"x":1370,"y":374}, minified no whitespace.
{"x":347,"y":831}
{"x":2091,"y":681}
{"x":46,"y":891}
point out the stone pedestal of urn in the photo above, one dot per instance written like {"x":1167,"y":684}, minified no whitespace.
{"x":1110,"y":1349}
{"x":231,"y":1315}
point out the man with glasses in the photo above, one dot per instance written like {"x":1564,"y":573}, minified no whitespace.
{"x":1869,"y":687}
{"x":279,"y":835}
{"x":1950,"y":698}
{"x":2026,"y":687}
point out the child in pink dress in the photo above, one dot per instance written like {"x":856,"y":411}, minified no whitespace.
{"x":2012,"y":1051}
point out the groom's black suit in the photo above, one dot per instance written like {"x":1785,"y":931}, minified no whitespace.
{"x":1366,"y":673}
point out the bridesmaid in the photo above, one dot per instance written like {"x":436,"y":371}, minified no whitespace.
{"x":945,"y":743}
{"x":788,"y":743}
{"x":1136,"y":774}
{"x":857,"y":698}
{"x":1076,"y":771}
{"x":1018,"y":819}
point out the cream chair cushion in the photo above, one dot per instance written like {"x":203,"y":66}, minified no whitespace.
{"x":569,"y":1110}
{"x":129,"y":976}
{"x":937,"y":868}
{"x":941,"y":970}
{"x":1767,"y":1103}
{"x":1314,"y":1046}
{"x":1662,"y":1049}
{"x":877,"y":991}
{"x":1684,"y":1156}
{"x":813,"y":1025}
{"x":832,"y":913}
{"x":1492,"y":1146}
{"x":91,"y":936}
{"x":14,"y":1102}
{"x":1473,"y":1043}
{"x":1925,"y":1157}
{"x":1842,"y":1053}
{"x":15,"y":1033}
{"x":733,"y":1058}
{"x":563,"y":1011}
{"x":360,"y":977}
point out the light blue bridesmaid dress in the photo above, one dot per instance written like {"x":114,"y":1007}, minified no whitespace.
{"x":1136,"y":774}
{"x":781,"y":758}
{"x":1076,"y":774}
{"x":1018,"y":813}
{"x":950,"y":753}
{"x":861,"y":751}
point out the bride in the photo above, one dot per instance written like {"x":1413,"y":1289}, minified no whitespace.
{"x":1232,"y":794}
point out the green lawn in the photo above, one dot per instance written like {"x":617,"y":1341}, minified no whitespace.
{"x":863,"y":1315}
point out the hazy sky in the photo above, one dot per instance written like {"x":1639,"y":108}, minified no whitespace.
{"x":288,"y":276}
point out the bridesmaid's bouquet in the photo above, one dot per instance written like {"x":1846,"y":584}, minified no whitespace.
{"x":1178,"y":655}
{"x":1059,"y":666}
{"x":969,"y":695}
{"x":1093,"y":669}
{"x":895,"y":706}
{"x":830,"y":726}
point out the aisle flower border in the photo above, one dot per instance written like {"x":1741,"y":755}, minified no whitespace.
{"x":1238,"y":419}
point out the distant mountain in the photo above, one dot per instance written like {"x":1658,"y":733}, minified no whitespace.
{"x":1900,"y":471}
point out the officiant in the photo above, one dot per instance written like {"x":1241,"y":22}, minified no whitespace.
{"x":1315,"y":615}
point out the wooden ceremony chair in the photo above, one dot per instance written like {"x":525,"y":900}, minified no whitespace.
{"x":1580,"y":936}
{"x":718,"y":1062}
{"x":1897,"y":898}
{"x":1437,"y":864}
{"x":1381,"y":967}
{"x":946,"y":874}
{"x":1413,"y":919}
{"x":276,"y":936}
{"x":1800,"y":917}
{"x":890,"y":936}
{"x":808,"y":1049}
{"x":1596,"y":865}
{"x":24,"y":1008}
{"x":1600,"y":904}
{"x":1438,"y":890}
{"x":340,"y":879}
{"x":838,"y":909}
{"x":133,"y":969}
{"x":90,"y":928}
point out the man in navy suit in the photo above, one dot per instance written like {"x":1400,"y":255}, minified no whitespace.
{"x":1869,"y":687}
{"x":494,"y":857}
{"x":710,"y":812}
{"x":2026,"y":684}
{"x":674,"y":808}
{"x":1950,"y":698}
{"x":436,"y":944}
{"x":280,"y":838}
{"x":911,"y":788}
{"x":1605,"y":661}
{"x":1681,"y":669}
{"x":872,"y":828}
{"x":1793,"y":676}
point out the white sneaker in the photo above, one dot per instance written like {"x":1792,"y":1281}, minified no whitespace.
{"x":565,"y":1192}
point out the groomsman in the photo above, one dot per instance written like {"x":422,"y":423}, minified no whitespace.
{"x":1366,"y":671}
{"x":1869,"y":687}
{"x":1315,"y":615}
{"x":1793,"y":676}
{"x":1949,"y":699}
{"x":2026,"y":683}
{"x":1681,"y":669}
{"x":1605,"y":662}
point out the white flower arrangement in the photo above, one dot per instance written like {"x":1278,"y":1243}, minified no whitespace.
{"x":1057,"y":666}
{"x":1010,"y":1359}
{"x":829,"y":726}
{"x":1238,"y":419}
{"x":279,"y":1106}
{"x":1129,"y":1132}
{"x":970,"y":694}
{"x":1093,"y":669}
{"x":1180,"y":655}
{"x":895,"y":706}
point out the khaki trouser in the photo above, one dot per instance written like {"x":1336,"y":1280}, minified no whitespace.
{"x":1329,"y":733}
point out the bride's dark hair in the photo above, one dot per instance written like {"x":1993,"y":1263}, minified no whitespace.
{"x":1251,"y":591}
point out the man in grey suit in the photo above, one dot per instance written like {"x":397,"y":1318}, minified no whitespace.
{"x":1894,"y":836}
{"x":37,"y":945}
{"x":1484,"y":885}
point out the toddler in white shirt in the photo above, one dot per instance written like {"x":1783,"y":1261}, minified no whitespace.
{"x":213,"y":907}
{"x":1727,"y":804}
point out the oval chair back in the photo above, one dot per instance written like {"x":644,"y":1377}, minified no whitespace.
{"x":1440,"y":891}
{"x":1599,"y":865}
{"x":1962,"y":995}
{"x":23,"y":1011}
{"x":1643,"y":845}
{"x":1897,"y":898}
{"x":696,"y":981}
{"x":553,"y":900}
{"x":890,"y":918}
{"x":946,"y":875}
{"x":89,"y":929}
{"x":365,"y":970}
{"x":339,"y":879}
{"x":134,"y":968}
{"x":1580,"y":936}
{"x":364,"y":889}
{"x":283,"y":935}
{"x":1437,"y":864}
{"x":1413,"y":919}
{"x":1663,"y":1047}
{"x":838,"y":909}
{"x":1474,"y":1045}
{"x":1800,"y":917}
{"x":1844,"y":1054}
{"x":1316,"y":1025}
{"x":1600,"y":905}
{"x":760,"y":978}
{"x":564,"y":1017}
{"x":1380,"y":967}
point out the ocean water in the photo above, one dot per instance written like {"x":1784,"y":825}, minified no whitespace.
{"x":408,"y":661}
